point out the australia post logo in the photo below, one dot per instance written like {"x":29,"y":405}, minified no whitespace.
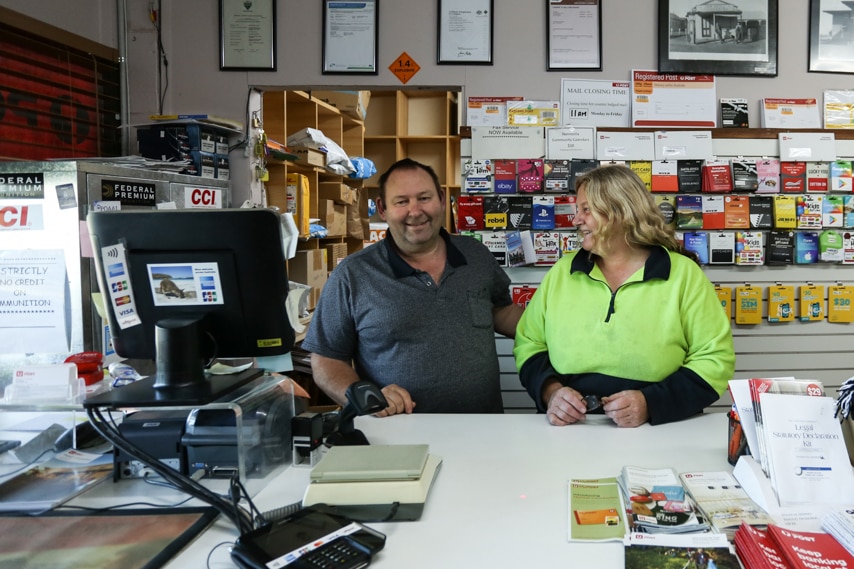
{"x":18,"y":217}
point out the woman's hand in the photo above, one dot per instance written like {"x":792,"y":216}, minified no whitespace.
{"x":626,"y":408}
{"x":565,"y":406}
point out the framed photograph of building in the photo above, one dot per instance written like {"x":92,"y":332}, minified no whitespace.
{"x":718,"y":37}
{"x":832,"y":36}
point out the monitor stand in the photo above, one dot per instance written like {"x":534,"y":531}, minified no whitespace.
{"x":180,"y":378}
{"x":142,"y":393}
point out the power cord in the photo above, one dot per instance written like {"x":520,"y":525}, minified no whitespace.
{"x":107,"y":428}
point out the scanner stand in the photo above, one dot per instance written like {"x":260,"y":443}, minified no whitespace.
{"x":363,"y":398}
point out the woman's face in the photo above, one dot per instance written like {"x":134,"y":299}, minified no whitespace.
{"x":586,"y":222}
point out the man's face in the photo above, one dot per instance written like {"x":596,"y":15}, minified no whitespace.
{"x":413,"y":209}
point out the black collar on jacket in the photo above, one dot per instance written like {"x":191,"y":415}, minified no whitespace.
{"x":657,"y":265}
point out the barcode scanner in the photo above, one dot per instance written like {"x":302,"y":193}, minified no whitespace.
{"x":364,"y":398}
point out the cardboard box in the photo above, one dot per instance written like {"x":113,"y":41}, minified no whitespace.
{"x":311,"y":156}
{"x":308,"y":268}
{"x":335,"y":253}
{"x":337,"y":192}
{"x":333,"y":217}
{"x":353,"y":103}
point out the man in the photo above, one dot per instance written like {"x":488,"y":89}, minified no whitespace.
{"x":416,"y":313}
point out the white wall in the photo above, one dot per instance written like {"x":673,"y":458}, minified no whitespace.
{"x":191,"y":27}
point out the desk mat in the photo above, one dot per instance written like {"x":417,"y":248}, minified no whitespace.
{"x":125,"y":539}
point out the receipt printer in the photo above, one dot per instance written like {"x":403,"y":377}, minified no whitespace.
{"x":158,"y":433}
{"x":216,"y":444}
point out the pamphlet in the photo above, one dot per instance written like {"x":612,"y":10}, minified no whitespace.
{"x":596,"y":512}
{"x":595,"y":102}
{"x":805,"y":550}
{"x":808,"y":461}
{"x":840,"y":524}
{"x":673,"y":100}
{"x":723,"y":501}
{"x":789,"y":113}
{"x":775,"y":385}
{"x":47,"y":485}
{"x":705,"y":550}
{"x":657,"y":501}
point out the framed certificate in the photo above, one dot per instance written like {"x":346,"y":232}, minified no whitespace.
{"x":350,"y":37}
{"x":574,"y":35}
{"x":247,"y":35}
{"x":465,"y":32}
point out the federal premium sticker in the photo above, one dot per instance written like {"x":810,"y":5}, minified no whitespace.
{"x":128,"y":192}
{"x":22,"y":185}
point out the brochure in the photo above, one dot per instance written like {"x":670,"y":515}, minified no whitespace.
{"x":596,"y":512}
{"x":807,"y":458}
{"x":47,"y":485}
{"x":805,"y":550}
{"x":758,"y":386}
{"x":671,"y":100}
{"x":723,"y":501}
{"x":657,"y":501}
{"x":707,"y":551}
{"x":595,"y":102}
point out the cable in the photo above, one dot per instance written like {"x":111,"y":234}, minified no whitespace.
{"x":154,"y":14}
{"x":211,"y":552}
{"x":107,"y":429}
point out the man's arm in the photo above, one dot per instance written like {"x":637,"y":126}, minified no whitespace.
{"x":505,"y":318}
{"x":333,"y":377}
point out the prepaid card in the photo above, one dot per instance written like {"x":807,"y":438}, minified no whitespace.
{"x":595,"y":510}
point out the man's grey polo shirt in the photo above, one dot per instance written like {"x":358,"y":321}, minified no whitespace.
{"x":398,"y":326}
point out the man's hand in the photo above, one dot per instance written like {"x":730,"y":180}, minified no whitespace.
{"x":626,"y":408}
{"x":399,"y":401}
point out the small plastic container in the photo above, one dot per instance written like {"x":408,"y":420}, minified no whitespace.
{"x":90,"y":366}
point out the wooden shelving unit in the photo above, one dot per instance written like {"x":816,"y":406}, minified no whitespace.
{"x":287,"y":112}
{"x":421,"y":125}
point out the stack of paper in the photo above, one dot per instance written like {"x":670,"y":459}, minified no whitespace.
{"x":658,"y":503}
{"x":807,"y":458}
{"x":790,"y":386}
{"x":779,"y":547}
{"x":840,"y":524}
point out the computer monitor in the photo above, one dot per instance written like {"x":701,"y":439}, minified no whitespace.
{"x":183,"y":287}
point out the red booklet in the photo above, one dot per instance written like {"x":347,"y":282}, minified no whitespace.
{"x":757,"y":550}
{"x":804,"y":549}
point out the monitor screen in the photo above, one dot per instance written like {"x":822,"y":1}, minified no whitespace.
{"x":183,"y":287}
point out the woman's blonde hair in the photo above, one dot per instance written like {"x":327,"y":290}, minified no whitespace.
{"x":619,"y":198}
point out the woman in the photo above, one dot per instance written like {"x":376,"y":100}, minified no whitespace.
{"x":629,"y":317}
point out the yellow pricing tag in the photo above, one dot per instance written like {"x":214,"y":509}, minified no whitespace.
{"x":725,"y":296}
{"x":812,"y":303}
{"x":748,"y":305}
{"x":781,"y":303}
{"x":839,"y":299}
